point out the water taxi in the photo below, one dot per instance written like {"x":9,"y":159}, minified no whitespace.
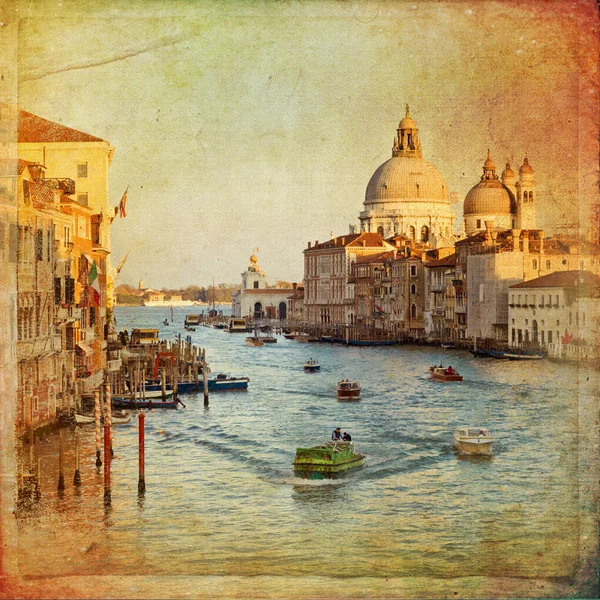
{"x":326,"y":461}
{"x":473,"y":440}
{"x":442,"y":374}
{"x":348,"y":390}
{"x":237,"y":326}
{"x":192,"y":320}
{"x":311,"y":365}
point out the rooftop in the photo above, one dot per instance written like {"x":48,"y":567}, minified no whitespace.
{"x":565,"y":279}
{"x":35,"y":129}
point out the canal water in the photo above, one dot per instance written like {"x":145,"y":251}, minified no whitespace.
{"x":221,"y":497}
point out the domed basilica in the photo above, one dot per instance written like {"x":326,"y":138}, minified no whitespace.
{"x":407,"y":195}
{"x":504,"y":204}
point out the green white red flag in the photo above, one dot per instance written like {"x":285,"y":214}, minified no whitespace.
{"x":94,"y":284}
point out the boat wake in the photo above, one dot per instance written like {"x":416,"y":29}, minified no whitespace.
{"x":300,"y":482}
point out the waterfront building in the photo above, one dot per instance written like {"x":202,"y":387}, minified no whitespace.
{"x":328,"y":291}
{"x":83,"y":158}
{"x":508,"y":203}
{"x":407,"y":194}
{"x":371,"y":290}
{"x":558,"y":313}
{"x":296,"y":304}
{"x":255,"y":300}
{"x":446,"y":300}
{"x":493,"y":260}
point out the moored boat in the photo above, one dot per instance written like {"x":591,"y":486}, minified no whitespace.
{"x":516,"y":355}
{"x":254,"y":341}
{"x":120,"y":417}
{"x":473,"y":440}
{"x":126,"y":402}
{"x":312,"y":365}
{"x":84,"y":419}
{"x":326,"y":461}
{"x":348,"y":390}
{"x":442,"y":374}
{"x":189,"y":328}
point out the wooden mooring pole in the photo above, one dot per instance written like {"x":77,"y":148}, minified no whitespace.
{"x":61,"y":473}
{"x":77,"y":476}
{"x":97,"y":420}
{"x":205,"y":377}
{"x":108,"y":413}
{"x":106,"y":464}
{"x":142,"y":477}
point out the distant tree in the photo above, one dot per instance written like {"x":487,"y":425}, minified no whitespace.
{"x":281,"y":284}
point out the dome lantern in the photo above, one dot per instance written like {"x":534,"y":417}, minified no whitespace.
{"x":406,"y":142}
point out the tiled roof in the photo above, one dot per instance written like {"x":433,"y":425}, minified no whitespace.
{"x":448,"y":261}
{"x":35,"y":129}
{"x":380,"y":257}
{"x":563,"y":279}
{"x":370,"y":240}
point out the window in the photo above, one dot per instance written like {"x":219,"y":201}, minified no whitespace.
{"x":424,"y":233}
{"x":256,"y":285}
{"x":478,"y":224}
{"x":57,"y":290}
{"x":549,"y":337}
{"x":82,"y":170}
{"x":413,"y":311}
{"x":413,"y":289}
{"x":535,"y":265}
{"x":380,"y":230}
{"x":548,"y":265}
{"x":39,"y":245}
{"x":413,"y":270}
{"x":82,"y":199}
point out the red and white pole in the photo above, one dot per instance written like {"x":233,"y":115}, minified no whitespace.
{"x":97,"y":420}
{"x":142,"y":466}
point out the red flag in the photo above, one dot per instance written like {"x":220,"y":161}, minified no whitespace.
{"x":567,"y":338}
{"x":379,"y":309}
{"x":122,"y":204}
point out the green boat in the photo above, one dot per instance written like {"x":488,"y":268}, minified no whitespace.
{"x":326,"y":461}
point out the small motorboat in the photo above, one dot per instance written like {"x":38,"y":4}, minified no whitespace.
{"x":442,"y":374}
{"x":289,"y":336}
{"x":84,"y":419}
{"x":348,"y":390}
{"x":447,"y":345}
{"x":311,"y":365}
{"x":473,"y":440}
{"x":254,"y":341}
{"x":326,"y":461}
{"x":166,"y":322}
{"x":189,"y":328}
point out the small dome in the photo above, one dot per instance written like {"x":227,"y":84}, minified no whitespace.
{"x":407,"y":123}
{"x":525,"y":168}
{"x":508,"y":172}
{"x":489,"y":197}
{"x":254,"y":259}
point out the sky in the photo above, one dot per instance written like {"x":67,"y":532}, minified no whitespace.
{"x":243,"y":124}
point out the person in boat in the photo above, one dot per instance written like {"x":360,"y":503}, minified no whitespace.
{"x":450,"y":370}
{"x":346,"y":437}
{"x":337,"y":434}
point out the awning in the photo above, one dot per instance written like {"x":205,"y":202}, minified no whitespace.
{"x":85,"y":349}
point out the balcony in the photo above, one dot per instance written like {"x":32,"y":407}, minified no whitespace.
{"x":114,"y":365}
{"x":87,"y":385}
{"x":438,"y":312}
{"x":68,"y":313}
{"x":437,"y":287}
{"x":460,"y":310}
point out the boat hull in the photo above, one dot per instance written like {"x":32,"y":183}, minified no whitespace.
{"x":439,"y":377}
{"x":481,"y":447}
{"x":214,"y":385}
{"x":144,"y":403}
{"x":327,"y":461}
{"x":511,"y":356}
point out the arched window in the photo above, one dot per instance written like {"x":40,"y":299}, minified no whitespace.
{"x":413,"y":289}
{"x":518,"y":194}
{"x":411,"y":232}
{"x":530,"y":196}
{"x":258,"y":311}
{"x":380,"y":230}
{"x":535,"y":265}
{"x":413,"y":311}
{"x":424,"y":233}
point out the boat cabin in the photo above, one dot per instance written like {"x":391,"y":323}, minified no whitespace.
{"x":236,"y":325}
{"x":191,"y":320}
{"x":472,"y":432}
{"x":144,"y":337}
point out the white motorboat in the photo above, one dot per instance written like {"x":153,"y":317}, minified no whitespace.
{"x":84,"y":419}
{"x":473,"y":440}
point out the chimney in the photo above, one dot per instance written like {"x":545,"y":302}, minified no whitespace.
{"x":364,"y":243}
{"x":309,"y":245}
{"x":317,"y":243}
{"x":516,"y":234}
{"x":294,"y":285}
{"x":343,"y":241}
{"x":526,"y":242}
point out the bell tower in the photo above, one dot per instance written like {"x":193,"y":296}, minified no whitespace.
{"x":406,"y":142}
{"x":526,"y":198}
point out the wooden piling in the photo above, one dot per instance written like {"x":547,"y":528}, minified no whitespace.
{"x":108,"y":413}
{"x":106,"y":464}
{"x":142,"y":466}
{"x":97,"y":421}
{"x":77,"y":476}
{"x":205,"y":377}
{"x":61,"y":473}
